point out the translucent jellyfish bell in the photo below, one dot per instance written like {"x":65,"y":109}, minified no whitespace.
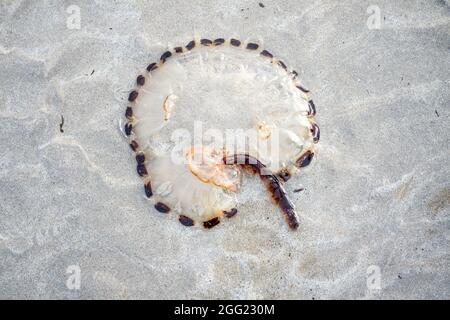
{"x":256,"y":108}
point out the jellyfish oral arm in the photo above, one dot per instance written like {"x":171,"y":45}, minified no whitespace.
{"x":272,"y":183}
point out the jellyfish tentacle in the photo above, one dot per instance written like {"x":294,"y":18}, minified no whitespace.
{"x":271,"y":181}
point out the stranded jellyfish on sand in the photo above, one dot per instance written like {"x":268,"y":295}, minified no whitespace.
{"x":206,"y":113}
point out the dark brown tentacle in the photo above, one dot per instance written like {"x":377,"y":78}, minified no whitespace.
{"x":166,"y":55}
{"x":152,"y":66}
{"x":267,"y":54}
{"x":205,"y":42}
{"x":211,"y":223}
{"x":190,"y":45}
{"x":140,"y":80}
{"x":277,"y":190}
{"x":140,"y":158}
{"x":235,"y":42}
{"x":162,"y":207}
{"x":186,"y":221}
{"x":231,"y":213}
{"x":219,"y":41}
{"x":148,"y":189}
{"x":134,"y":145}
{"x":305,"y":159}
{"x":284,"y":174}
{"x":133,"y":95}
{"x":129,"y":113}
{"x":252,"y":46}
{"x":141,"y":170}
{"x":312,"y":107}
{"x":315,"y":132}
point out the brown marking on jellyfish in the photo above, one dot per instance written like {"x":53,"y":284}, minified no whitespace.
{"x":133,"y":95}
{"x":141,"y":170}
{"x":305,"y":159}
{"x":134,"y":145}
{"x":302,"y":89}
{"x":129,"y":113}
{"x":161,"y":207}
{"x":312,"y":108}
{"x":152,"y":66}
{"x":166,"y":55}
{"x":219,"y":41}
{"x":185,"y":221}
{"x":267,"y":54}
{"x":231,"y":213}
{"x":128,"y":128}
{"x":206,"y":42}
{"x":190,"y":45}
{"x":148,"y":189}
{"x":281,"y":64}
{"x":211,"y":223}
{"x":288,"y":208}
{"x":235,"y":42}
{"x":178,"y":49}
{"x":140,"y":158}
{"x":279,"y":195}
{"x":245,"y":161}
{"x":284,"y":175}
{"x":252,"y":46}
{"x":140,"y":80}
{"x":315,"y":130}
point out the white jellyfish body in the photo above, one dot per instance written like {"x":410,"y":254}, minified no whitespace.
{"x":210,"y":101}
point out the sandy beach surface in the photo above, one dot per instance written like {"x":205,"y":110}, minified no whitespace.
{"x":374,"y":213}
